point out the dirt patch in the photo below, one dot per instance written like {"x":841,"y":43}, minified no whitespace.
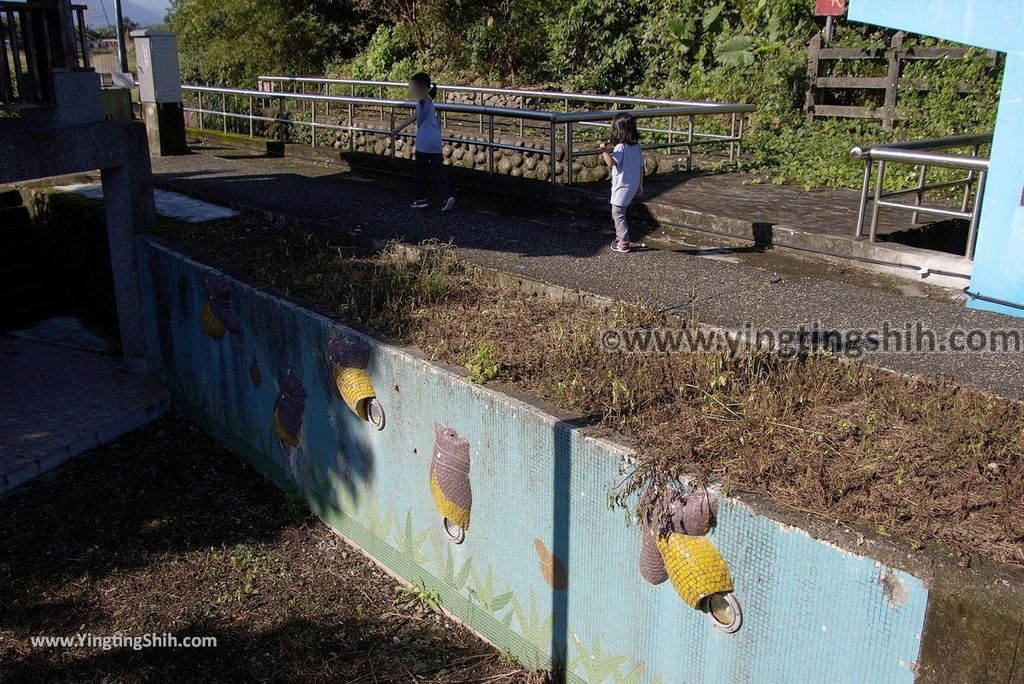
{"x":166,"y":531}
{"x":924,"y":463}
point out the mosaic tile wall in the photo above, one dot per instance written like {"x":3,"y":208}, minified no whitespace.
{"x":546,"y":567}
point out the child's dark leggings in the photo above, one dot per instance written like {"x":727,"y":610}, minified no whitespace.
{"x":426,"y":161}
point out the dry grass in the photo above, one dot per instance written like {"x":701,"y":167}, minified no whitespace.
{"x":923,"y":462}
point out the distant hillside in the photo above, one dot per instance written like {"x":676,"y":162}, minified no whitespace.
{"x":144,"y":12}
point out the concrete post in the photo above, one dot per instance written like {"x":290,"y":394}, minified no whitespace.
{"x":130,"y":210}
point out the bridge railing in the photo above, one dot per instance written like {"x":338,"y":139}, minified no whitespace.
{"x":671,"y":128}
{"x":38,"y":37}
{"x":925,"y":154}
{"x":578,"y":132}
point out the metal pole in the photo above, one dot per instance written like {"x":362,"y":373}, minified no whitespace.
{"x":392,"y":134}
{"x":481,"y":114}
{"x":972,"y":232}
{"x":551,"y":141}
{"x":970,"y":179}
{"x":878,"y":194}
{"x":490,"y":143}
{"x":522,"y":105}
{"x":920,"y":191}
{"x":200,"y":93}
{"x":671,"y":136}
{"x":739,"y":138}
{"x":689,"y":143}
{"x":224,"y":111}
{"x":251,"y":131}
{"x":732,"y":134}
{"x":351,"y":125}
{"x":862,"y":208}
{"x":122,"y":51}
{"x":568,"y":153}
{"x":280,"y":118}
{"x":312,"y":125}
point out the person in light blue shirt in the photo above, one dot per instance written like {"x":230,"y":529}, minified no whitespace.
{"x":429,"y":160}
{"x":626,"y":160}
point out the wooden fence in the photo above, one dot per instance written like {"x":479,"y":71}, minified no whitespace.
{"x":822,"y":90}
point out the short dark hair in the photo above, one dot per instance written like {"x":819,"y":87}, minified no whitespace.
{"x":624,"y":130}
{"x":423,"y":78}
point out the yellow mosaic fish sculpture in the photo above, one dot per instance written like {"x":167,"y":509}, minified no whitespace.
{"x":674,"y":547}
{"x":211,"y":324}
{"x":216,"y":316}
{"x":695,"y":568}
{"x":348,"y":368}
{"x":449,"y":478}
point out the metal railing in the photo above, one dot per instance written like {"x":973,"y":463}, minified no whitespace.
{"x":527,"y":99}
{"x":445,"y":89}
{"x":38,"y":37}
{"x":551,"y":127}
{"x":923,"y":154}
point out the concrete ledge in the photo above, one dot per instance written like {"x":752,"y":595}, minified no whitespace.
{"x":103,"y":435}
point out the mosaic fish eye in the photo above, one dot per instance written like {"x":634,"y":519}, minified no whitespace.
{"x":454,"y":532}
{"x":375,"y":414}
{"x":724,"y":612}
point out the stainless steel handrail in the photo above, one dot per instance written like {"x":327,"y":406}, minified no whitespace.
{"x":552,"y":121}
{"x":515,"y":92}
{"x":921,"y":153}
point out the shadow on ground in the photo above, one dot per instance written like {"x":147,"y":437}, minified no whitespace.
{"x":166,"y":532}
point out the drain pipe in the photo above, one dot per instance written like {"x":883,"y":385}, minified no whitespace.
{"x":992,"y":300}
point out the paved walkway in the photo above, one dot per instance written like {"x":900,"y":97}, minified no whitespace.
{"x":64,"y":391}
{"x":722,"y":285}
{"x":822,"y":210}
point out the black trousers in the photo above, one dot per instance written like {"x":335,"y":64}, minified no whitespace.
{"x":427,"y":163}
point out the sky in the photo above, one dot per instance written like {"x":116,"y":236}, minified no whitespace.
{"x":144,"y":12}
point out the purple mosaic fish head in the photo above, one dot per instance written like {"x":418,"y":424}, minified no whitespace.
{"x":692,"y":514}
{"x":292,"y":387}
{"x":450,"y":447}
{"x":217,"y":291}
{"x":290,"y":404}
{"x":348,"y":354}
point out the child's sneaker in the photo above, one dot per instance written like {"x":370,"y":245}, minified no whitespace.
{"x":449,"y":204}
{"x":621,"y":247}
{"x":420,"y":204}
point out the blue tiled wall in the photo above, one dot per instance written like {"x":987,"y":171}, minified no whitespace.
{"x":812,"y":612}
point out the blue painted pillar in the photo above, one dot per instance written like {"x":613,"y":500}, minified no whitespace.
{"x":994,"y":25}
{"x":999,"y":260}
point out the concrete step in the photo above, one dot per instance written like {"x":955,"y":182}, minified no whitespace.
{"x":940,"y":268}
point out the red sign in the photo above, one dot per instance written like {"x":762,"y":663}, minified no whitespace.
{"x":829,"y":8}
